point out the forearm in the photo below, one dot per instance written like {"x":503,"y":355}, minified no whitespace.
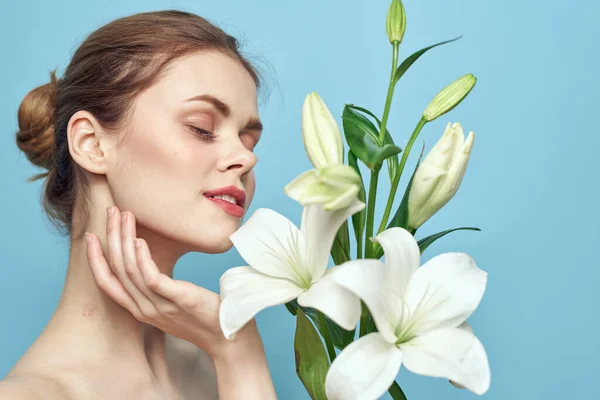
{"x":242,"y":370}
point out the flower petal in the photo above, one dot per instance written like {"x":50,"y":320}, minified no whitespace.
{"x":318,"y":193}
{"x":426,"y":180}
{"x":344,"y":200}
{"x":428,"y":192}
{"x":402,"y":256}
{"x":465,"y":326}
{"x":364,"y":370}
{"x":319,"y":228}
{"x":368,"y":279}
{"x":444,"y":292}
{"x":449,"y":186}
{"x":459,"y":166}
{"x":299,"y":185}
{"x":338,"y":303}
{"x":273,"y":245}
{"x":451,"y":353}
{"x":245,"y":292}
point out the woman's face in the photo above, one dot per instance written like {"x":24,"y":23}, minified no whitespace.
{"x":191,"y":137}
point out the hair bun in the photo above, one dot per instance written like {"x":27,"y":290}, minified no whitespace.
{"x":36,"y":123}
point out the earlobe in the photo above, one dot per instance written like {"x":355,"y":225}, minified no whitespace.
{"x":85,"y":142}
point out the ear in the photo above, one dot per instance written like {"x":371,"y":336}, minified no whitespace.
{"x":88,"y":142}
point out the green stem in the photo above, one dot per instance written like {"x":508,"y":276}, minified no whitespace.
{"x":396,"y":392}
{"x":360,"y":232}
{"x":328,"y":342}
{"x":369,"y":253}
{"x":371,"y":211}
{"x":405,"y":153}
{"x":390,"y":94}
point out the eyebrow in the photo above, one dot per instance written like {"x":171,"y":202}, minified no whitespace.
{"x":222,"y":107}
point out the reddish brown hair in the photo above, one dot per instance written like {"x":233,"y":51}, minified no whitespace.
{"x":109,"y":69}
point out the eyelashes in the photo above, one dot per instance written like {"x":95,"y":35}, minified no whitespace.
{"x":202,"y":133}
{"x":209,"y":136}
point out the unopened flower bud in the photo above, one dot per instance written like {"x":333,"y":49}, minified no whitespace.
{"x":320,"y":133}
{"x":439,"y":175}
{"x":395,"y":24}
{"x":449,"y":97}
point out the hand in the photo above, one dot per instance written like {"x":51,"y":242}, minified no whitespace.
{"x":132,"y":279}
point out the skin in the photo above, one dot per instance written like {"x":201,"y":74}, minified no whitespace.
{"x":123,"y":327}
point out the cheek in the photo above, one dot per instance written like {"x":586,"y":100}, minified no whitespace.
{"x":250,"y":187}
{"x":159,"y":170}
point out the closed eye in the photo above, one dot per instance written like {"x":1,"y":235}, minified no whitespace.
{"x":250,"y":140}
{"x":202,"y":133}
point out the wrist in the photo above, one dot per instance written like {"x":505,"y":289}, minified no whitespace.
{"x":246,"y":345}
{"x":241,"y":367}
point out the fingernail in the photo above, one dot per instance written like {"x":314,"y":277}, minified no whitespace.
{"x":137,"y":243}
{"x":123,"y":217}
{"x":111,"y":211}
{"x":88,"y":237}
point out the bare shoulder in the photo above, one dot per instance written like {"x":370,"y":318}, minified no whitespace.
{"x":11,"y":390}
{"x":32,"y":387}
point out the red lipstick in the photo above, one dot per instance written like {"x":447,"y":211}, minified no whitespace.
{"x":234,"y":193}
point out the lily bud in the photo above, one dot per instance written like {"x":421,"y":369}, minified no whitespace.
{"x":395,"y":24}
{"x":336,"y":186}
{"x":320,"y":133}
{"x":449,"y":97}
{"x":439,"y":175}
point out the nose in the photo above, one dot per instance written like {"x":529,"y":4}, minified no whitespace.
{"x":237,"y":157}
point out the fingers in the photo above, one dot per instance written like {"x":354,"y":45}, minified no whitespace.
{"x":130,"y":276}
{"x":105,"y":278}
{"x":153,"y":278}
{"x":185,"y":294}
{"x":116,"y":261}
{"x":131,"y":260}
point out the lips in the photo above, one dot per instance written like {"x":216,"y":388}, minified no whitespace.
{"x":238,"y":195}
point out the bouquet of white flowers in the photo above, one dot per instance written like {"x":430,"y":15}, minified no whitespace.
{"x":407,"y":313}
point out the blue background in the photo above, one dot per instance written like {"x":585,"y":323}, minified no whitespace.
{"x":531,"y":185}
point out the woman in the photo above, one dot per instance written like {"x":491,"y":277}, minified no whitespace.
{"x":149,"y":134}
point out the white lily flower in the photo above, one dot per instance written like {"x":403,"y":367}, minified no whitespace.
{"x":419,"y":314}
{"x":286,"y":263}
{"x":440,"y":174}
{"x":336,"y":186}
{"x":320,"y":133}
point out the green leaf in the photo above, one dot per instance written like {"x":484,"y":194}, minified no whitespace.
{"x":358,"y":219}
{"x":362,"y":139}
{"x":312,"y":363}
{"x":340,"y":337}
{"x":427,"y":241}
{"x":292,"y":307}
{"x":340,"y":250}
{"x":366,"y":124}
{"x":371,"y":325}
{"x":406,"y":64}
{"x":400,"y":219}
{"x":392,"y":162}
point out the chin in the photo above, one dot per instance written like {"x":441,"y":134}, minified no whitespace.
{"x":221,"y":247}
{"x":212,"y":245}
{"x":210,"y":233}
